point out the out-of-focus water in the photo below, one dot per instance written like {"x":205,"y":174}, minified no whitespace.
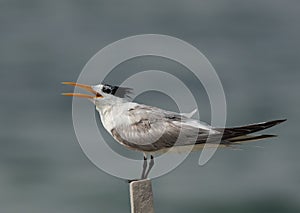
{"x":254,"y":47}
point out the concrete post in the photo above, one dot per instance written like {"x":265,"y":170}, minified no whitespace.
{"x":141,"y":196}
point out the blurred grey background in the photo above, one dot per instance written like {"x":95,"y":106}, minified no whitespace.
{"x":254,"y":47}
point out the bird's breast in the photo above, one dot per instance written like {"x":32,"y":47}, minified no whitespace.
{"x":111,"y":117}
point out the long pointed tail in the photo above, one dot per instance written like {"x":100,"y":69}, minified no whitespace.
{"x":249,"y":138}
{"x":238,"y":134}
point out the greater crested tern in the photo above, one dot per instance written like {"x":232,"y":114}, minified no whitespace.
{"x":153,"y":130}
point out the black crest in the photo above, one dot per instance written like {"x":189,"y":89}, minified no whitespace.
{"x":121,"y":92}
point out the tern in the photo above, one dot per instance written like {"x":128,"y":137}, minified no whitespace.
{"x":152,"y":130}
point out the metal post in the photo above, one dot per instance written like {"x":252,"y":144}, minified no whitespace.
{"x":141,"y":196}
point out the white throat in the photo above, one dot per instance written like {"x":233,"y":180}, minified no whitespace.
{"x":108,"y":108}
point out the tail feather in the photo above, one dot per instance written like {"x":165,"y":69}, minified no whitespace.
{"x":234,"y":132}
{"x":249,"y":138}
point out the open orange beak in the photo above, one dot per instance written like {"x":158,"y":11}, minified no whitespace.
{"x":83,"y":86}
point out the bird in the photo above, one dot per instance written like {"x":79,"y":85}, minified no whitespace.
{"x":153,"y":130}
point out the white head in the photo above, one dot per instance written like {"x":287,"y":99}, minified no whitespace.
{"x":104,"y":94}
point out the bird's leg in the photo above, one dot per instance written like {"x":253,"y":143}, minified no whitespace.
{"x":151,"y":164}
{"x":144,"y":167}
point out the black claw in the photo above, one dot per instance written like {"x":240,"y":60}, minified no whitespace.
{"x":129,"y":181}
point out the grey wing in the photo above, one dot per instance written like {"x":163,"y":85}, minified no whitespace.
{"x":152,"y":129}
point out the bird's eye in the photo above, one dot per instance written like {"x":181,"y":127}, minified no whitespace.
{"x":107,"y":89}
{"x":98,"y":95}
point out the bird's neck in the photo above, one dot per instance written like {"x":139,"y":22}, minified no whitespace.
{"x":107,"y":104}
{"x":107,"y":110}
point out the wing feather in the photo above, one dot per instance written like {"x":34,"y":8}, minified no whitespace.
{"x":152,"y":129}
